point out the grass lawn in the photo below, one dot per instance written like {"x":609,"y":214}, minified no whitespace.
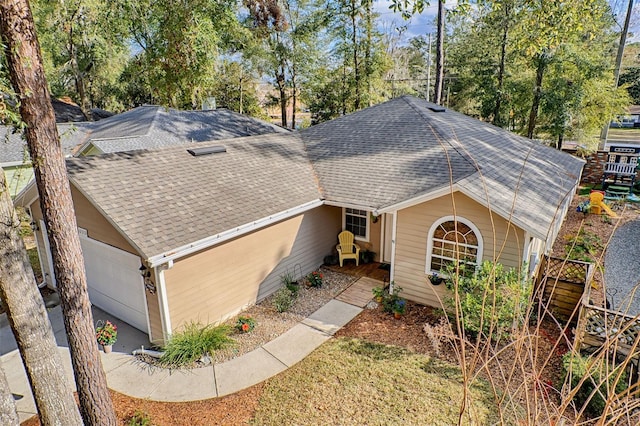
{"x":351,"y":381}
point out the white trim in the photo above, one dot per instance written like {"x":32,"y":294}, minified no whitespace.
{"x":394,"y":234}
{"x":47,"y":247}
{"x":368,"y":225}
{"x":165,"y":316}
{"x":16,"y":163}
{"x":23,"y":193}
{"x":82,"y":233}
{"x":461,"y":219}
{"x":347,"y":205}
{"x":382,"y":237}
{"x":230,"y":234}
{"x":107,"y":218}
{"x":432,"y":195}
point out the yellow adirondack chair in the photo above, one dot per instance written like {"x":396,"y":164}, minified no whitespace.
{"x":347,"y":249}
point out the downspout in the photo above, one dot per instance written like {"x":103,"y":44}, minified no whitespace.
{"x":165,"y":317}
{"x":393,"y":251}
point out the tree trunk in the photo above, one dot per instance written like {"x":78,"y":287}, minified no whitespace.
{"x":537,"y":94}
{"x":8,"y":411}
{"x":283,"y":95}
{"x":27,"y":77}
{"x":77,"y":75}
{"x":367,"y":59}
{"x":439,"y":83}
{"x":294,"y":95}
{"x":356,"y":66}
{"x":30,"y":325}
{"x":497,"y":117}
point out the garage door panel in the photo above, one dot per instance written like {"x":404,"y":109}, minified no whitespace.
{"x":114,"y":282}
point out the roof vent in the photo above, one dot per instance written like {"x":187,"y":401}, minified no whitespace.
{"x":437,"y":108}
{"x":216,"y":149}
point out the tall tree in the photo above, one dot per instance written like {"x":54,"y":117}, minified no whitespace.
{"x":28,"y":79}
{"x":30,"y":324}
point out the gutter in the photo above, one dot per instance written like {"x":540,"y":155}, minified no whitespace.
{"x":230,"y":234}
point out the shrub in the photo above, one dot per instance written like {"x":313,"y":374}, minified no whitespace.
{"x":194,"y":342}
{"x":493,"y":301}
{"x":584,"y":246}
{"x":315,"y":279}
{"x":245,"y":324}
{"x":600,"y":372}
{"x":290,"y":283}
{"x":283,"y":299}
{"x":391,"y":302}
{"x":140,"y":418}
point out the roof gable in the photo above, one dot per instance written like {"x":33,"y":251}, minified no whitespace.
{"x":166,"y":198}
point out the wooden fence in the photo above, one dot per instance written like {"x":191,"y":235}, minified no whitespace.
{"x":563,"y":284}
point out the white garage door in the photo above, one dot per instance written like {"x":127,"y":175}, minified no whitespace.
{"x":114,"y":280}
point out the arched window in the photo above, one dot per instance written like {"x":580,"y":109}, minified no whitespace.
{"x":451,"y":240}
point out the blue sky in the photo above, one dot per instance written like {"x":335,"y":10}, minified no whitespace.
{"x":424,"y":23}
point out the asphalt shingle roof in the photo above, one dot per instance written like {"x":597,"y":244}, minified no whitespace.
{"x":162,"y":199}
{"x":403,"y":148}
{"x":148,"y":127}
{"x":165,"y":198}
{"x":13,"y":148}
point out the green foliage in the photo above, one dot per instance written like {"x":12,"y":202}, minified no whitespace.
{"x":315,"y":279}
{"x":584,"y":246}
{"x":194,"y":342}
{"x":283,"y":299}
{"x":245,"y":324}
{"x":600,"y":376}
{"x":630,"y":80}
{"x":493,"y":301}
{"x":392,"y":302}
{"x":140,"y":418}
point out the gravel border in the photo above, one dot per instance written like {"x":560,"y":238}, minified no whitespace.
{"x":622,"y":269}
{"x":271,"y":324}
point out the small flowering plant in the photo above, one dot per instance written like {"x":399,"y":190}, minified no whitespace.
{"x":399,"y":305}
{"x":245,"y":324}
{"x":315,"y":279}
{"x":106,"y":332}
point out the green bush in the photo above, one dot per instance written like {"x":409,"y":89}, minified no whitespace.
{"x":577,"y":366}
{"x":283,"y":299}
{"x":140,"y":419}
{"x":194,"y":342}
{"x":493,"y":301}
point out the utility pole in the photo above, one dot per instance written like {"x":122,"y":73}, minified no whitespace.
{"x":616,"y":71}
{"x":429,"y":69}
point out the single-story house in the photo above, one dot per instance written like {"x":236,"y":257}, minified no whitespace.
{"x":144,"y":127}
{"x":198,"y":232}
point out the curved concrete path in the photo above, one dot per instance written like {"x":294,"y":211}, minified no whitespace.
{"x":622,"y":269}
{"x":129,"y":376}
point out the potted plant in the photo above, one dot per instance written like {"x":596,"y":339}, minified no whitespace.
{"x":398,"y":307}
{"x":245,"y":324}
{"x":315,"y":279}
{"x":367,"y":256}
{"x":106,"y":334}
{"x":378,"y":293}
{"x":435,"y":279}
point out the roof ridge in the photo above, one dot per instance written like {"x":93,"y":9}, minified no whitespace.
{"x":439,"y":131}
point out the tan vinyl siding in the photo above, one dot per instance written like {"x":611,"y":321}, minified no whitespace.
{"x":153,"y":309}
{"x":214,"y":284}
{"x":501,"y":242}
{"x":89,"y":218}
{"x":97,"y":226}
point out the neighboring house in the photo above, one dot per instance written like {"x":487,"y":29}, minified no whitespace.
{"x":140,"y":128}
{"x":170,"y":237}
{"x":14,"y":155}
{"x":152,"y":126}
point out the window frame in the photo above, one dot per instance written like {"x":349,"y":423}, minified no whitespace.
{"x":367,"y":217}
{"x":459,"y":219}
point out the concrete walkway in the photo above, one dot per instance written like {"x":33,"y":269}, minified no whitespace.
{"x":129,"y":376}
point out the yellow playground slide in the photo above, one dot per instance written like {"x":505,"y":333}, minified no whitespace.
{"x":598,"y":204}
